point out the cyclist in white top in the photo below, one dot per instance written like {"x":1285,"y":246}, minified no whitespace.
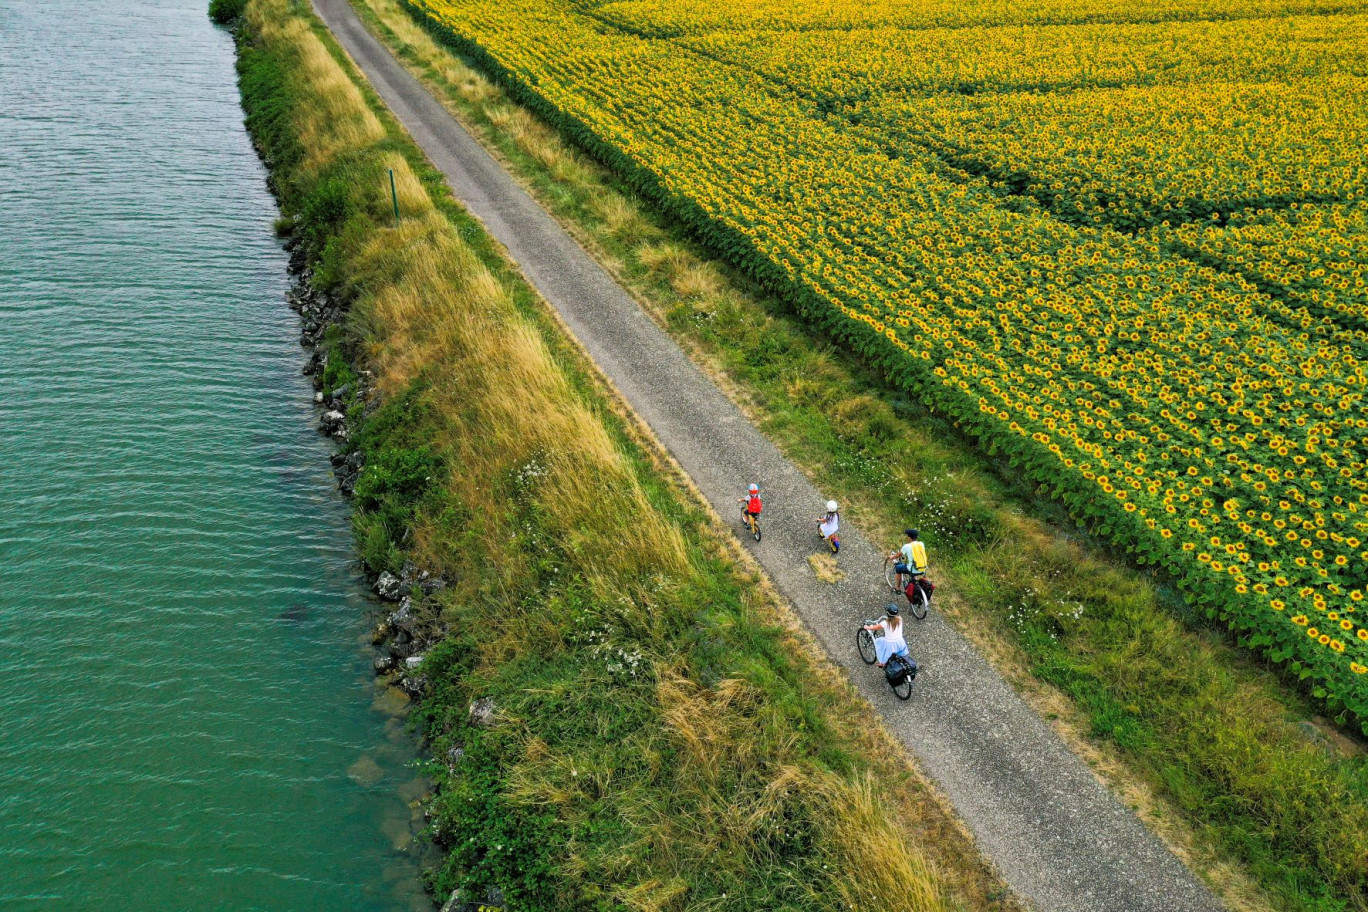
{"x":830,"y":523}
{"x":892,"y":643}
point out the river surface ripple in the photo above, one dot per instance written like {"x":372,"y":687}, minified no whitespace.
{"x":186,"y":714}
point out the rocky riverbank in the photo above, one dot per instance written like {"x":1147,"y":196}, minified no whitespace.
{"x":408,"y":616}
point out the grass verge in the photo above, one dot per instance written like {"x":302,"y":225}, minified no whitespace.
{"x":1225,"y":760}
{"x":660,"y":735}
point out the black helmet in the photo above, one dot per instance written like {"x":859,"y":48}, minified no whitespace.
{"x":910,"y":533}
{"x":891,"y":609}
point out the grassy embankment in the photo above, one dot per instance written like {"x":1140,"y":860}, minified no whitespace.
{"x":1222,"y":756}
{"x":664,"y":736}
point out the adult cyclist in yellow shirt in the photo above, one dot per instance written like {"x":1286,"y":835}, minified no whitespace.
{"x":910,"y":558}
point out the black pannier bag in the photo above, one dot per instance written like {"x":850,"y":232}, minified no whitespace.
{"x":899,"y":669}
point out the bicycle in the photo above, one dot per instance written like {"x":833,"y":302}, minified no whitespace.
{"x":919,"y":602}
{"x":900,"y":672}
{"x":751,"y":522}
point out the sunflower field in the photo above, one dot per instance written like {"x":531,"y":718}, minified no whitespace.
{"x":1122,"y":244}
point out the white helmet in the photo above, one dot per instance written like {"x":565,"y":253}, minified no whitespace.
{"x":831,"y":506}
{"x":754,"y":488}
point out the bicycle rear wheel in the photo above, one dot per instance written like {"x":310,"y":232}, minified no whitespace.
{"x":864,"y":641}
{"x":755,"y":528}
{"x":918,"y":604}
{"x":903,"y":691}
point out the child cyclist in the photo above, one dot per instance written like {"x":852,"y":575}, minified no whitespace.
{"x":752,"y":505}
{"x":829,"y":524}
{"x":911,"y":557}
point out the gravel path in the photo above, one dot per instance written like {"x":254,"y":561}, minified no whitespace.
{"x":1056,"y":835}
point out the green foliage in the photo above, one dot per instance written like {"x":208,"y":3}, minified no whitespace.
{"x":402,"y":468}
{"x":263,"y":82}
{"x":226,"y":12}
{"x":395,"y":481}
{"x":325,"y":210}
{"x":338,"y":371}
{"x":508,"y":846}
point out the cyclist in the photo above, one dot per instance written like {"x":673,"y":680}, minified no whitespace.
{"x":892,"y":643}
{"x":830,"y":523}
{"x":911,"y":558}
{"x":753,"y":506}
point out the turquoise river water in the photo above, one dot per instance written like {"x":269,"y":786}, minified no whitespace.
{"x":187,"y":720}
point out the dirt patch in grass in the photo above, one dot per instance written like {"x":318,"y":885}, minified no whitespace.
{"x":825,"y":568}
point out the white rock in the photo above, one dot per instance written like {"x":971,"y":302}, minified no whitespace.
{"x":388,"y":587}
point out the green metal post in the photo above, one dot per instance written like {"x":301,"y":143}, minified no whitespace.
{"x":394,"y":195}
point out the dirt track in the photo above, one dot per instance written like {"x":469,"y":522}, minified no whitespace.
{"x":1056,"y":835}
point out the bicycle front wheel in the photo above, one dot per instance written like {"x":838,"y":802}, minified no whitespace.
{"x":864,"y":641}
{"x":891,"y":576}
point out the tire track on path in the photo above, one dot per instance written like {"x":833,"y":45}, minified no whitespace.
{"x":1055,"y":833}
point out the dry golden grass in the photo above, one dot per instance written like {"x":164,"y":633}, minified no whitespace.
{"x":621,"y":218}
{"x":432,"y":303}
{"x":859,"y":830}
{"x":413,"y":199}
{"x":825,"y":568}
{"x":697,"y":280}
{"x":666,"y":258}
{"x":500,"y":114}
{"x":407,"y":32}
{"x":655,"y":896}
{"x":743,"y":789}
{"x":473,"y":87}
{"x":339,"y":117}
